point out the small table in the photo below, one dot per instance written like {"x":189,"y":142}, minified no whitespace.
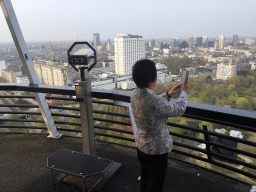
{"x":80,"y":165}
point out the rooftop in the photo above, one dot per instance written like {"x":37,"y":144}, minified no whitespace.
{"x":23,"y":167}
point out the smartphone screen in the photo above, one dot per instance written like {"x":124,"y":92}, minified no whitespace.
{"x":184,"y":78}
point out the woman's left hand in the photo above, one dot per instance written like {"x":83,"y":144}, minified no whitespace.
{"x":175,"y":89}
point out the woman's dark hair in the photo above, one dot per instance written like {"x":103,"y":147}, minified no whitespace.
{"x":144,"y":72}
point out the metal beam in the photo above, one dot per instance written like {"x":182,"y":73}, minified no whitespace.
{"x":27,"y":62}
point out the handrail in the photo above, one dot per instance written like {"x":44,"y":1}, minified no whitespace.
{"x":210,"y":113}
{"x":231,"y":117}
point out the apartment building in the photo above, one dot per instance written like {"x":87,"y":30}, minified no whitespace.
{"x":226,"y":71}
{"x":128,"y":50}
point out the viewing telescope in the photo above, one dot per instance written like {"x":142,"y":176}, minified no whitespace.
{"x":82,"y":56}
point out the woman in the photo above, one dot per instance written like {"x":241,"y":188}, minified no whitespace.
{"x":151,"y":112}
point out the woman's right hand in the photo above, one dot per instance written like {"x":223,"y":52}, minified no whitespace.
{"x":185,"y":87}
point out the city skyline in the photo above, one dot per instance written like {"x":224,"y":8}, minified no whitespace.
{"x":45,"y":20}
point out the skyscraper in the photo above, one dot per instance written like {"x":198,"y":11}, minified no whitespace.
{"x":221,"y":41}
{"x":205,"y":41}
{"x":190,"y":42}
{"x":152,"y":43}
{"x":235,"y":40}
{"x":176,"y":42}
{"x":199,"y":41}
{"x":96,"y":39}
{"x":128,"y":49}
{"x":216,"y":44}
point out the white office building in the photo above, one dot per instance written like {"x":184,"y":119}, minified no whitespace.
{"x":226,"y":71}
{"x":128,"y":50}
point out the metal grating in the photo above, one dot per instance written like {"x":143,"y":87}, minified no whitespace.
{"x":78,"y":163}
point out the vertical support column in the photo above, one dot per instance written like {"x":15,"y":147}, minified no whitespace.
{"x":27,"y":62}
{"x":86,"y":115}
{"x":206,"y":138}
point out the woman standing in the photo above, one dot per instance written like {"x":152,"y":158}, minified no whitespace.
{"x":151,"y":112}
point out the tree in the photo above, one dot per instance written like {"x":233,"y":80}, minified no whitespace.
{"x":251,"y":79}
{"x":208,"y":124}
{"x":231,"y":88}
{"x":232,"y":96}
{"x":208,"y":79}
{"x":239,"y":81}
{"x":158,"y":89}
{"x":203,"y":98}
{"x":252,"y":102}
{"x":197,"y":87}
{"x":219,"y":102}
{"x":219,"y":90}
{"x":243,"y":103}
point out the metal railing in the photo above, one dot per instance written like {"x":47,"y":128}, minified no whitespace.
{"x":240,"y":119}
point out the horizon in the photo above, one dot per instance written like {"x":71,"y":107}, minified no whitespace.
{"x":44,"y":21}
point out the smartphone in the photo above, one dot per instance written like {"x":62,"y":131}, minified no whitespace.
{"x":184,"y":78}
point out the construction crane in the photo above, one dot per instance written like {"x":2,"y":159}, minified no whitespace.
{"x":50,"y":49}
{"x":51,"y":46}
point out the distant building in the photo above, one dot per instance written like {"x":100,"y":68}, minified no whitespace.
{"x":226,"y":71}
{"x":10,"y":76}
{"x":199,"y":41}
{"x":210,"y":43}
{"x":128,"y":50}
{"x":25,"y":80}
{"x":221,"y":42}
{"x":216,"y":45}
{"x":55,"y":74}
{"x":253,"y":65}
{"x":109,"y":46}
{"x":152,"y":43}
{"x":2,"y":66}
{"x":166,"y":51}
{"x":235,"y":37}
{"x":163,"y":78}
{"x":249,"y":41}
{"x":176,"y":42}
{"x":205,"y":41}
{"x":96,"y":39}
{"x":183,"y":45}
{"x":190,"y":42}
{"x":128,"y":85}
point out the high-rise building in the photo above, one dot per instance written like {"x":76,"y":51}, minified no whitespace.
{"x":109,"y":46}
{"x":235,"y":40}
{"x":128,"y":49}
{"x":96,"y":39}
{"x":176,"y":42}
{"x":152,"y":43}
{"x":216,"y":44}
{"x":221,"y":42}
{"x":190,"y":42}
{"x":205,"y":41}
{"x":183,"y":45}
{"x":199,"y":41}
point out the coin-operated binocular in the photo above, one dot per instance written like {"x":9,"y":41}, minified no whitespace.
{"x":84,"y":58}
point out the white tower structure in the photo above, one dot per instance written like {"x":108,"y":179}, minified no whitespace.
{"x":128,"y":50}
{"x":221,"y":41}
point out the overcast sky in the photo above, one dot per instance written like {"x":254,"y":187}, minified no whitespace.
{"x":72,"y":19}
